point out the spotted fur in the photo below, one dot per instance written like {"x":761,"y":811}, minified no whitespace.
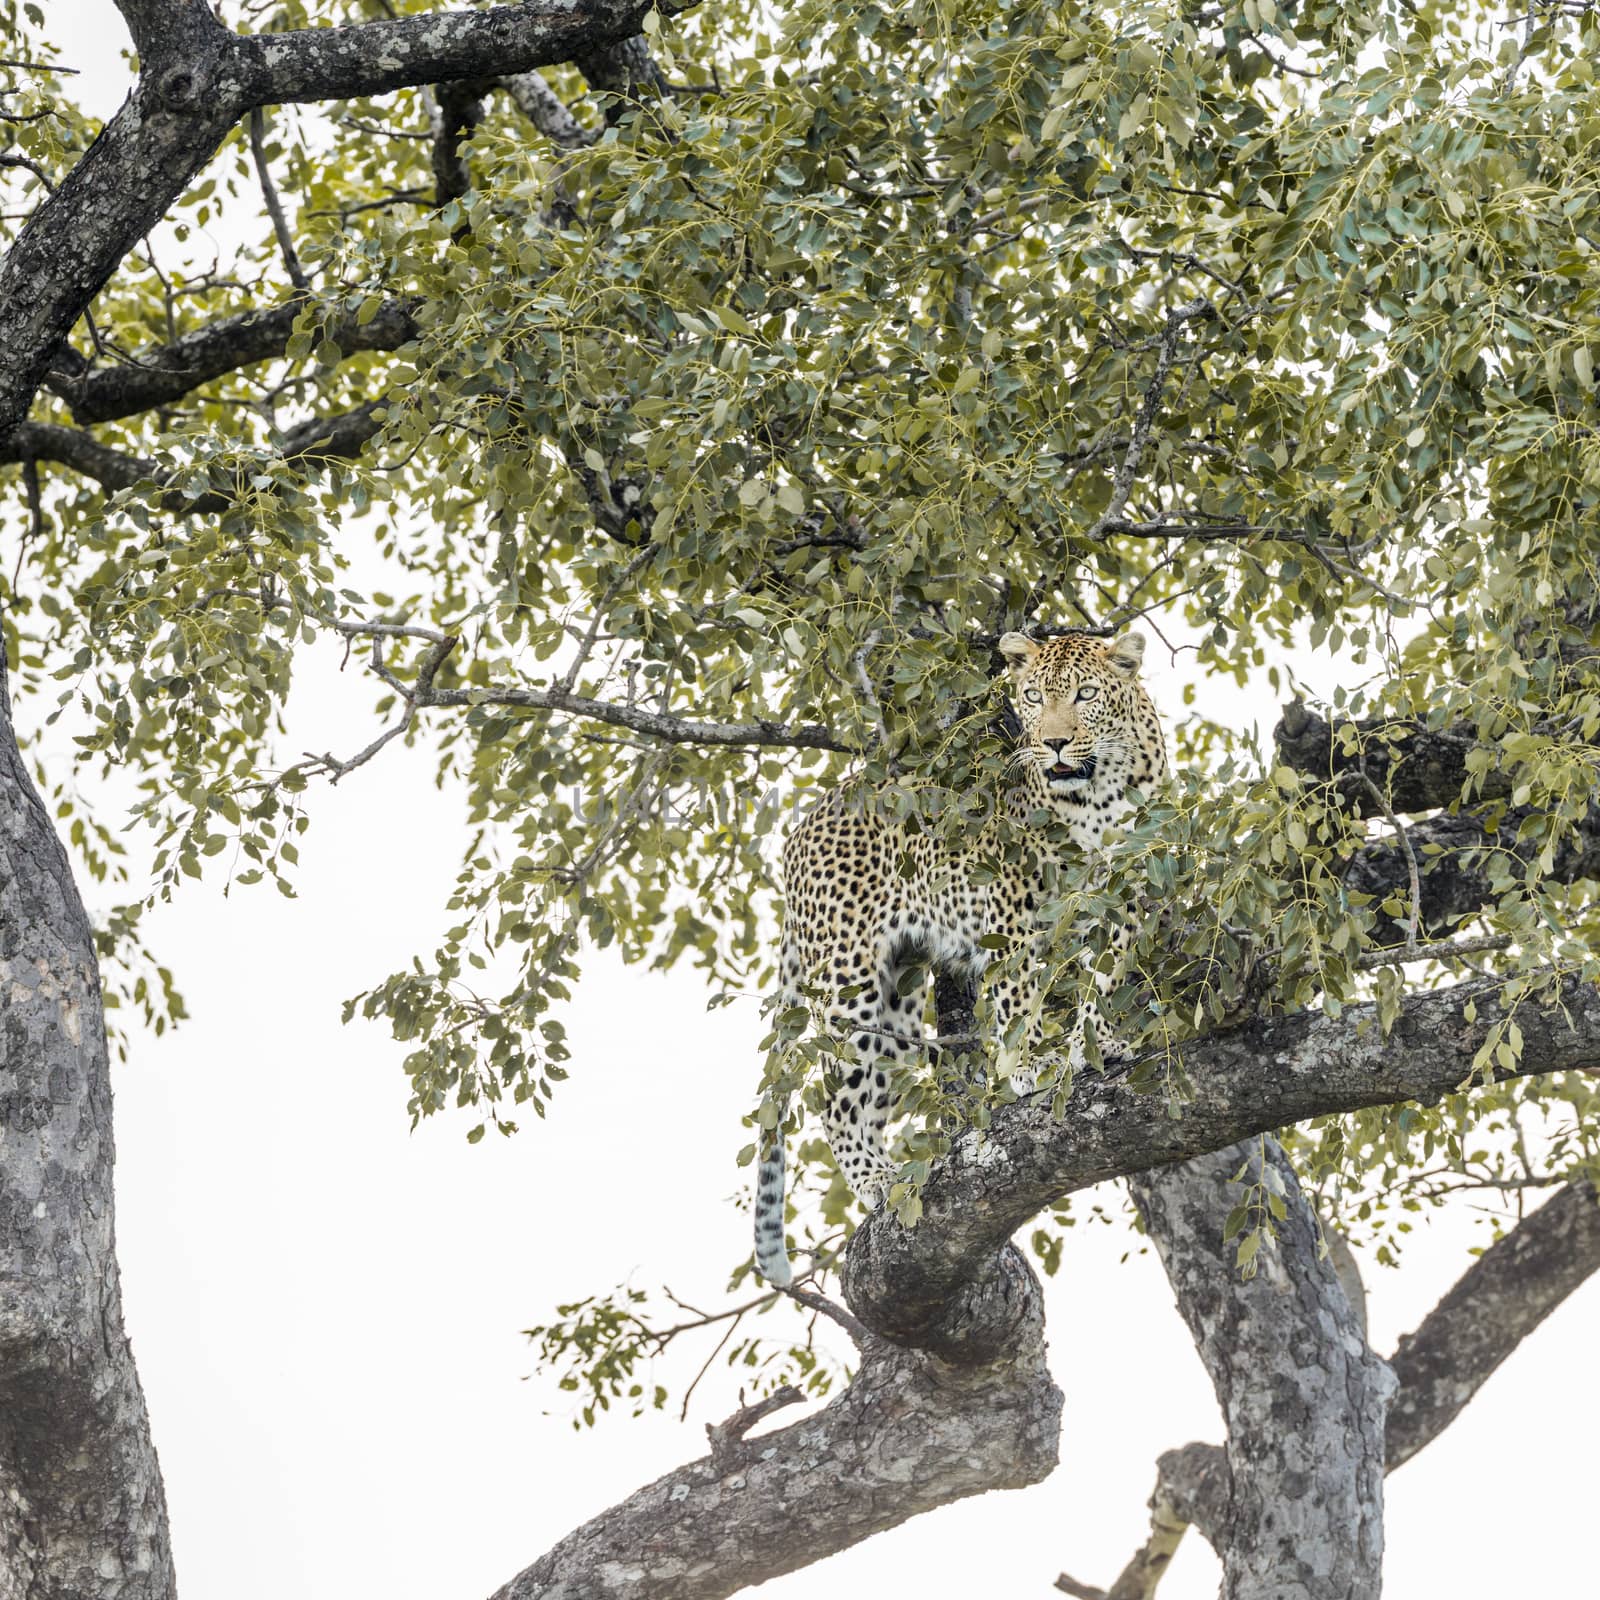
{"x":857,"y":920}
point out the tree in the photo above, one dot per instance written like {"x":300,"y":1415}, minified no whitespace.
{"x":705,"y":407}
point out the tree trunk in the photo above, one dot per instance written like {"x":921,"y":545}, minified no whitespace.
{"x":82,"y":1515}
{"x":1304,"y":1397}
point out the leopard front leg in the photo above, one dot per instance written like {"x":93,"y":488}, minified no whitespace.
{"x":1023,"y":994}
{"x":1010,"y":997}
{"x":1089,"y":1013}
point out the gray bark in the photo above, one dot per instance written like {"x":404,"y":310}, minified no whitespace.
{"x":910,"y":1434}
{"x":1265,"y":1075}
{"x":82,"y":1514}
{"x":1303,"y":1397}
{"x":1512,"y":1287}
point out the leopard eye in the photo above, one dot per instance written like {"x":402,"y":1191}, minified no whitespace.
{"x":1088,"y":691}
{"x":1034,"y":697}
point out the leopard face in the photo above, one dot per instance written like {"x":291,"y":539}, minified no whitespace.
{"x":1081,"y":708}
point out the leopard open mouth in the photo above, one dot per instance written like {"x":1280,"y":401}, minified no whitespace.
{"x":1062,"y":772}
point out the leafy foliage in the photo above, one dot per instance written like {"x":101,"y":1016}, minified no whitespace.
{"x":733,"y":424}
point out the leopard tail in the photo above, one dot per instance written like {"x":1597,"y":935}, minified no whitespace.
{"x":772,"y":1254}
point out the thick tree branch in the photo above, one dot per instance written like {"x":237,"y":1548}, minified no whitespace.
{"x":910,"y":1434}
{"x":163,"y":135}
{"x":1266,"y":1075}
{"x":540,"y":104}
{"x":1506,"y":1293}
{"x":1418,"y":768}
{"x":373,"y":58}
{"x":456,"y":111}
{"x":49,"y":441}
{"x":83,"y":1511}
{"x":165,"y":373}
{"x":153,"y":22}
{"x":1465,"y":866}
{"x":315,"y":438}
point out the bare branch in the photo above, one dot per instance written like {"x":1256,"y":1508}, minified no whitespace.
{"x":1128,"y":468}
{"x":27,"y":165}
{"x":907,"y":1436}
{"x":823,"y":1306}
{"x":373,"y":58}
{"x":333,"y":768}
{"x":660,"y":725}
{"x":1438,"y":950}
{"x":1506,"y":1293}
{"x":269,"y":193}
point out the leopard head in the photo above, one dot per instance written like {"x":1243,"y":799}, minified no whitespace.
{"x":1082,"y":708}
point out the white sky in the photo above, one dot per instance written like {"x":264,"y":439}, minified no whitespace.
{"x":326,"y":1308}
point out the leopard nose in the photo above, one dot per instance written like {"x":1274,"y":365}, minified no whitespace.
{"x":1057,"y":747}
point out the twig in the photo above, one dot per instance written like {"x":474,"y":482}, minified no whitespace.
{"x":1127,"y":469}
{"x":1436,"y":950}
{"x":1529,"y":23}
{"x":1281,"y":65}
{"x":569,"y":678}
{"x":316,"y":765}
{"x":386,"y":630}
{"x":1413,"y":872}
{"x":400,"y":197}
{"x":269,"y":192}
{"x":726,"y":1436}
{"x":30,"y":166}
{"x":1161,"y":528}
{"x":705,"y":1367}
{"x":820,"y":1303}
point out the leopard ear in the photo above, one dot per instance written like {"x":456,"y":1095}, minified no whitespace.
{"x":1126,"y":654}
{"x":1019,"y":650}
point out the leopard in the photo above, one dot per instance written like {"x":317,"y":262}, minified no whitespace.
{"x":872,"y":906}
